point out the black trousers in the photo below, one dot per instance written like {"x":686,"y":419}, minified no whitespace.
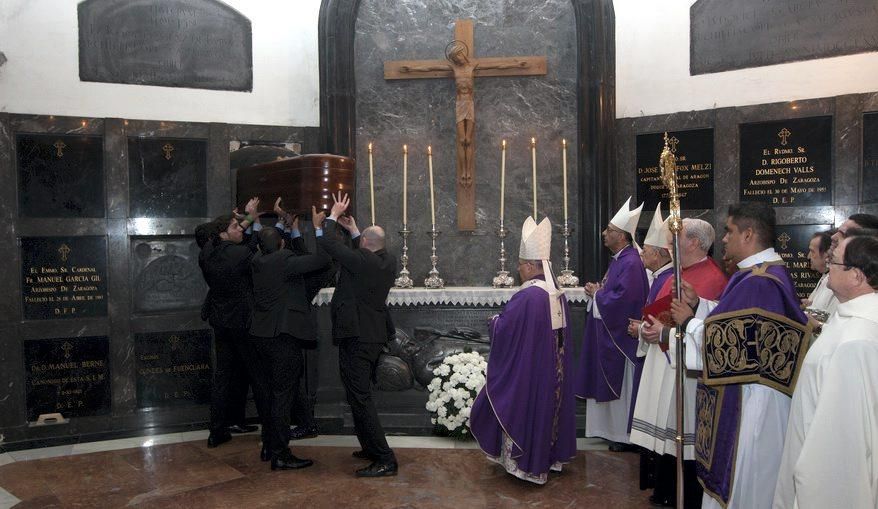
{"x":239,"y":386}
{"x":278,"y":382}
{"x":666,"y":481}
{"x":302,"y":413}
{"x":234,"y":353}
{"x":356,"y":363}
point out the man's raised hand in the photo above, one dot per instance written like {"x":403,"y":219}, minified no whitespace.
{"x":317,"y":217}
{"x":340,"y":204}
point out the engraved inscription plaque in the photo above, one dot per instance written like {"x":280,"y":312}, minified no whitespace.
{"x":791,"y":242}
{"x":787,"y":162}
{"x":63,"y":277}
{"x":173,"y":368}
{"x":165,"y":275}
{"x":694,"y":151}
{"x":60,"y":175}
{"x":67,"y":375}
{"x":167,"y":177}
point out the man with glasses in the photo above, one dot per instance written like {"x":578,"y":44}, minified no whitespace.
{"x":829,"y":454}
{"x":750,"y":348}
{"x":867,"y":221}
{"x":606,"y":375}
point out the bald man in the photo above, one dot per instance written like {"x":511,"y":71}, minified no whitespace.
{"x":361,"y":324}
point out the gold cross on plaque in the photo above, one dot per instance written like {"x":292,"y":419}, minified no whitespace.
{"x":673,"y":141}
{"x":59,"y":148}
{"x":175,"y":342}
{"x":783,"y":238}
{"x":461,"y":64}
{"x":64,"y":250}
{"x":67,"y":347}
{"x":167,"y":149}
{"x":783,"y":135}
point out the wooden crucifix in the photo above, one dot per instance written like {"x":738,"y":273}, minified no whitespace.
{"x":461,"y":64}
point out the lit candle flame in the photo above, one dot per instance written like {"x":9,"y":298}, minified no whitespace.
{"x":429,"y":150}
{"x":370,"y":148}
{"x":405,"y":149}
{"x":504,"y":144}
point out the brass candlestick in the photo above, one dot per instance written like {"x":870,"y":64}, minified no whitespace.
{"x":567,"y":279}
{"x":433,"y":280}
{"x":503,"y":279}
{"x":404,"y":281}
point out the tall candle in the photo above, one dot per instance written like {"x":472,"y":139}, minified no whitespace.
{"x":564,"y":166}
{"x":533,"y":156}
{"x":432,"y":194}
{"x":405,"y":185}
{"x":371,"y":184}
{"x":502,"y":179}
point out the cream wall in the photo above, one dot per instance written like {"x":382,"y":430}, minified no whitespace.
{"x":652,"y":68}
{"x":41,"y":75}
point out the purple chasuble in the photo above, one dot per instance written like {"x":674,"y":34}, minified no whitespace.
{"x":657,"y":284}
{"x":766,"y":286}
{"x":607,"y":344}
{"x":528,"y":394}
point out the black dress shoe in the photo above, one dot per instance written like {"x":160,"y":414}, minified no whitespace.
{"x":217,"y":439}
{"x":378,"y":470}
{"x":289,"y":462}
{"x":622,"y":447}
{"x":265,"y":454}
{"x":302,"y":432}
{"x":243,"y":428}
{"x":660,"y":501}
{"x":361,"y":455}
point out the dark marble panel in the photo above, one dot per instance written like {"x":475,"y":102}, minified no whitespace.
{"x":870,"y":158}
{"x":694,"y":153}
{"x":63,"y":277}
{"x":173,"y":368}
{"x":116,"y":167}
{"x":847,"y":148}
{"x":752,"y":33}
{"x":165,"y":275}
{"x":60,"y":175}
{"x":219,"y":177}
{"x":192,"y":44}
{"x":67,"y":375}
{"x":119,"y":305}
{"x":791,"y":242}
{"x":10,"y":306}
{"x":11,"y":377}
{"x":787,"y":162}
{"x":167,"y":177}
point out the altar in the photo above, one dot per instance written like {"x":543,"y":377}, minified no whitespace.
{"x":430,"y":324}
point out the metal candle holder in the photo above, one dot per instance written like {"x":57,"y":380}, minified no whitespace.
{"x":433,"y":280}
{"x":503,"y":279}
{"x":404,"y":281}
{"x":567,"y":279}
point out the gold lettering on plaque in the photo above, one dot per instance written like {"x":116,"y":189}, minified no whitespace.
{"x":783,"y":135}
{"x":67,"y":347}
{"x":783,"y":238}
{"x":64,"y":250}
{"x":167,"y":149}
{"x":175,"y":342}
{"x":59,"y":148}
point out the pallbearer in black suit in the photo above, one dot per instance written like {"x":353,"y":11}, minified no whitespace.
{"x":282,"y":319}
{"x":360,"y":324}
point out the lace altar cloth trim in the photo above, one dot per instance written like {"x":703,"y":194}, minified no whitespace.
{"x":454,"y":296}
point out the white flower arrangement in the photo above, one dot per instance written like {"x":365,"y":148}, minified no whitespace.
{"x":457,"y":382}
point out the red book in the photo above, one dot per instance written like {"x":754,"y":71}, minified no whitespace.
{"x":661,"y":310}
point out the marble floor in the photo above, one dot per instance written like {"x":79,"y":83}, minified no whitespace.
{"x":179,"y":471}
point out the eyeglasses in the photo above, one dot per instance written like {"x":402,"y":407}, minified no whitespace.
{"x":846,"y":266}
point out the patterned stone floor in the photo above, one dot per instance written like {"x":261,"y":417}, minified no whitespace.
{"x":187,"y":475}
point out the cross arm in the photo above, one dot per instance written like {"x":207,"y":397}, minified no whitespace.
{"x":417,"y":69}
{"x":511,"y":66}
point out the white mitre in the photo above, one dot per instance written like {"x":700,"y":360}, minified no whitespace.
{"x":626,"y":219}
{"x":659,"y":233}
{"x":536,"y":244}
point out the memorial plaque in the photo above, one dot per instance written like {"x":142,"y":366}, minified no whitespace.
{"x":167,"y":177}
{"x":168,"y":43}
{"x":67,"y":375}
{"x":60,"y":175}
{"x":870,"y":158}
{"x":751,"y":33}
{"x":791,"y":243}
{"x":173,"y":368}
{"x":787,"y":162}
{"x":694,"y":151}
{"x":63,"y":277}
{"x":165,"y":275}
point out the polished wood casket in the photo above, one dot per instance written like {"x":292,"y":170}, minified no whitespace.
{"x":301,"y":181}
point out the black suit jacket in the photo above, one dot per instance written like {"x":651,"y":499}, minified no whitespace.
{"x":281,"y":302}
{"x":226,"y":269}
{"x":364,"y":280}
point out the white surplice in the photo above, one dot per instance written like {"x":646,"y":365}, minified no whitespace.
{"x":821,"y":296}
{"x":834,"y":416}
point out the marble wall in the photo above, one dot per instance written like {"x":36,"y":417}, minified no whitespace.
{"x":421,"y":112}
{"x":847,"y":154}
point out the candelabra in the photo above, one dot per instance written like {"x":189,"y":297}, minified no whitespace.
{"x":433,"y":280}
{"x":567,"y":279}
{"x":404,"y":281}
{"x":503,"y":279}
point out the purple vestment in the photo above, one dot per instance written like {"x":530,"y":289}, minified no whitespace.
{"x":529,"y":393}
{"x":607,"y":344}
{"x":758,"y":317}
